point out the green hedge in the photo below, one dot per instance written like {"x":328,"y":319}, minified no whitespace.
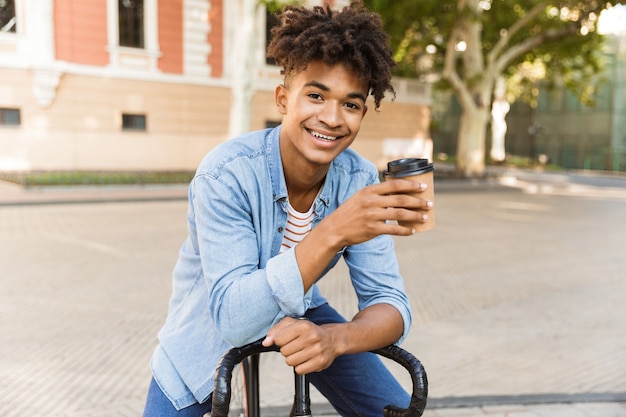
{"x":65,"y":178}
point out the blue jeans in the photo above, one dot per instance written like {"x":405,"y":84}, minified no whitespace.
{"x":356,"y":385}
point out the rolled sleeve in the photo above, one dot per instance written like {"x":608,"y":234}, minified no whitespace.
{"x":285,"y":281}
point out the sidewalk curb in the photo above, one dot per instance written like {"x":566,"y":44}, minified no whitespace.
{"x":14,"y":195}
{"x":323,"y":409}
{"x":526,"y":399}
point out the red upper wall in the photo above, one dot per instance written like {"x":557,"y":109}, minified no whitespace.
{"x":171,"y":36}
{"x":81,"y":31}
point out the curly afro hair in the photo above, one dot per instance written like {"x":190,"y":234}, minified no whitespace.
{"x":353,"y":37}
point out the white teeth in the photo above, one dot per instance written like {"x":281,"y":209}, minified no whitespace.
{"x":319,"y":135}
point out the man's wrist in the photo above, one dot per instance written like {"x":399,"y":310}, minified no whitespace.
{"x":338,"y":334}
{"x":328,"y":233}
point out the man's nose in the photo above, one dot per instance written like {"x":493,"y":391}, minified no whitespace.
{"x":331,"y":115}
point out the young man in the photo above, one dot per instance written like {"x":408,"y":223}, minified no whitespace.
{"x":272,"y":211}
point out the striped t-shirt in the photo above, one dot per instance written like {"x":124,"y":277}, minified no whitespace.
{"x":297,"y":227}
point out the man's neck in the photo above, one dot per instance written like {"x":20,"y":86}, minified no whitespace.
{"x":303,"y":187}
{"x":302,"y":196}
{"x":303,"y":178}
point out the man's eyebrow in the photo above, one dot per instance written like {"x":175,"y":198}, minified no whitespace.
{"x":323,"y":87}
{"x":317,"y":84}
{"x":357,"y":95}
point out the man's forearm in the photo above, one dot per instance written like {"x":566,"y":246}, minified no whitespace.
{"x":314,"y":253}
{"x":374,"y":327}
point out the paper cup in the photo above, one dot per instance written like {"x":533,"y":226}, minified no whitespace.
{"x":419,"y":170}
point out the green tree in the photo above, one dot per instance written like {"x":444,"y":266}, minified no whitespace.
{"x":467,"y":45}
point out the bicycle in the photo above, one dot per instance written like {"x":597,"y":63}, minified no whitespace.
{"x":248,"y":355}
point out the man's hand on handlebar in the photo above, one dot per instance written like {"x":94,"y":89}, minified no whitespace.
{"x":306,"y":346}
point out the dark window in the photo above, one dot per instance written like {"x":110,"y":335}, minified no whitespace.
{"x":136,"y":122}
{"x":131,"y":23}
{"x":7,"y":16}
{"x":10,"y":117}
{"x":270,"y":21}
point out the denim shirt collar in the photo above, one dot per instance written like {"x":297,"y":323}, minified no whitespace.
{"x":277,"y":175}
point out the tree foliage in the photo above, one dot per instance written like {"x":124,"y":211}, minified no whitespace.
{"x":274,"y":6}
{"x":466,"y":45}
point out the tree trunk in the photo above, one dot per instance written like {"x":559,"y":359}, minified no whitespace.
{"x":471,"y":142}
{"x":244,"y":67}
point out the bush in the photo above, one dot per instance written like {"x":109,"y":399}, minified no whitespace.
{"x":67,"y":178}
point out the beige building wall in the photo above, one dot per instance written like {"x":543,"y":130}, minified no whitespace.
{"x":82,"y":128}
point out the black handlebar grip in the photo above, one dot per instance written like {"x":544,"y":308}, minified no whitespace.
{"x":224,"y":374}
{"x":419,"y":395}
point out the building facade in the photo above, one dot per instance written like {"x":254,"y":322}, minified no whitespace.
{"x":145,"y":85}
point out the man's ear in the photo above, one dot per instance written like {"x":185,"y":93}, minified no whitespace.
{"x":280,"y":97}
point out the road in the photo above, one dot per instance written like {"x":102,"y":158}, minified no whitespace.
{"x":515,"y":294}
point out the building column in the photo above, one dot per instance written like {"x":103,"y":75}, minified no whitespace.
{"x":40,"y":31}
{"x":196,"y":28}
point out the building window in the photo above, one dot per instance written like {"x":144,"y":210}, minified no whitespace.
{"x":134,"y":122}
{"x":10,"y":117}
{"x":7,"y":16}
{"x":131,"y":23}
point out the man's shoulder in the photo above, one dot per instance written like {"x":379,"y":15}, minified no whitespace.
{"x":244,"y":147}
{"x":351,"y":162}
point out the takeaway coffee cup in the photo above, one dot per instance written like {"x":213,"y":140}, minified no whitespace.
{"x":419,"y":170}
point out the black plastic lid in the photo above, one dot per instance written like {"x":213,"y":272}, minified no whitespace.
{"x":407,"y":166}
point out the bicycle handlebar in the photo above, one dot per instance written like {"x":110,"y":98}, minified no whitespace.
{"x":419,"y":395}
{"x":224,"y":373}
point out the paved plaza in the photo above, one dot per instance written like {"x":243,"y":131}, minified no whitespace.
{"x":518,"y":298}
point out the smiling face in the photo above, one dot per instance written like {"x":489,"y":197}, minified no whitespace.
{"x":322,"y":109}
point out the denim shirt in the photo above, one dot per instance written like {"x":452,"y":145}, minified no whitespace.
{"x":230,"y":285}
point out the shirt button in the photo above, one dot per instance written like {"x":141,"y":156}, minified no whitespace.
{"x":280,"y":230}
